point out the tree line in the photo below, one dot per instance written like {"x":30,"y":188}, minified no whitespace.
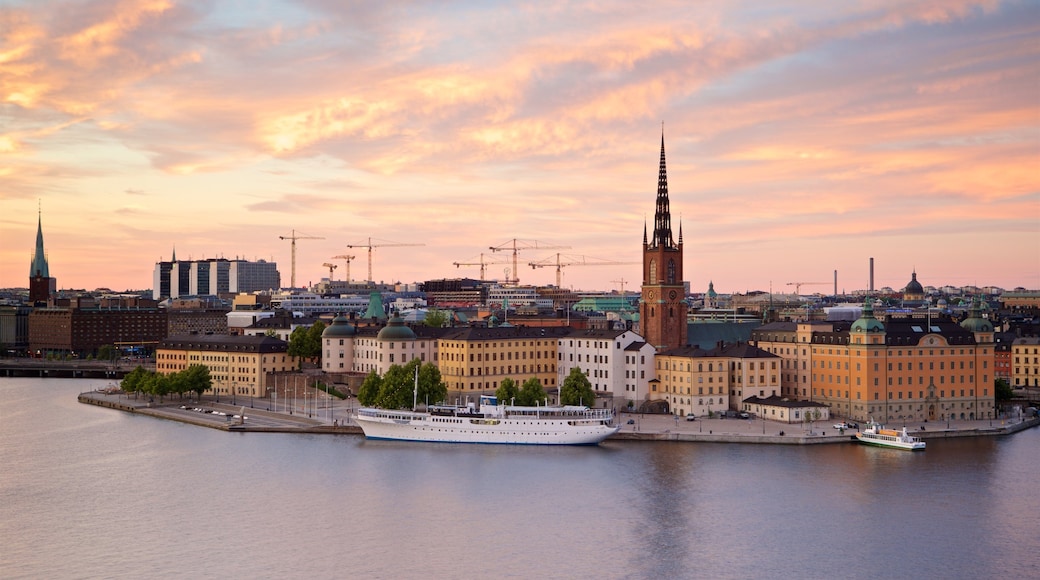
{"x":394,"y":390}
{"x":195,"y":379}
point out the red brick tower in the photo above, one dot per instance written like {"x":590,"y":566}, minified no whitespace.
{"x":662,"y":308}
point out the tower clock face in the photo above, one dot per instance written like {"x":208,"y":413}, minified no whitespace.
{"x":650,"y":294}
{"x":672,"y":294}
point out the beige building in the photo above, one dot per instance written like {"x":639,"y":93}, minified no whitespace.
{"x":238,"y":365}
{"x":1025,"y":362}
{"x":702,"y":382}
{"x":378,"y":350}
{"x":478,"y":359}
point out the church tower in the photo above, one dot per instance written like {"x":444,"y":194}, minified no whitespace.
{"x":662,"y":308}
{"x":41,"y":285}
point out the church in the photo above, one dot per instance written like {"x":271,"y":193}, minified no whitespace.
{"x":662,"y":306}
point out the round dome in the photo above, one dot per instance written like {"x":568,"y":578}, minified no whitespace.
{"x":867,"y":322}
{"x":913,"y":286}
{"x":868,"y":325}
{"x":340,"y":328}
{"x":396,"y":330}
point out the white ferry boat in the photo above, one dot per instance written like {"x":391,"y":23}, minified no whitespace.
{"x":875,"y":435}
{"x":491,"y":423}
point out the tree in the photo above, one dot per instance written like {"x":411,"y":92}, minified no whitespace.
{"x":314,"y":341}
{"x":297,"y":343}
{"x":1002,"y":390}
{"x":396,"y":390}
{"x":431,"y":387}
{"x":435,"y":317}
{"x":531,"y":393}
{"x":107,"y":352}
{"x":133,"y":381}
{"x":577,"y":390}
{"x":507,"y":391}
{"x":368,"y":392}
{"x":305,"y":343}
{"x":197,"y":379}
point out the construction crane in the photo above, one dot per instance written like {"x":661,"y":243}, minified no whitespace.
{"x":482,"y":263}
{"x":331,"y":267}
{"x":621,"y":283}
{"x":294,"y":237}
{"x":346,"y":259}
{"x":573,"y":261}
{"x":517,"y":245}
{"x":370,"y":245}
{"x":798,"y":286}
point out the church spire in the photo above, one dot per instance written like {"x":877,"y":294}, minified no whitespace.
{"x":39,"y":267}
{"x":662,"y":215}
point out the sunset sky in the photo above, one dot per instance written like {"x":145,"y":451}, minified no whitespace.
{"x":802,"y":137}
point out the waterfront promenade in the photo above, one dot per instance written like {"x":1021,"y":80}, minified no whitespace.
{"x":333,"y":416}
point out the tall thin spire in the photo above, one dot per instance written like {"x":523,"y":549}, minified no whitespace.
{"x":39,"y":267}
{"x":662,"y":215}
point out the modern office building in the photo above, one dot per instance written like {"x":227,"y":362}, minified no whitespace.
{"x":212,"y":277}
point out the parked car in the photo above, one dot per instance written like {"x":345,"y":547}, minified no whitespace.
{"x":745,"y":415}
{"x":691,"y":417}
{"x":842,"y":425}
{"x":631,"y":422}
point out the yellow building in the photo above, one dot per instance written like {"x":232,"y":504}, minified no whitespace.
{"x":701,"y":382}
{"x":1025,"y":362}
{"x":478,"y":359}
{"x":907,"y":368}
{"x":237,"y":364}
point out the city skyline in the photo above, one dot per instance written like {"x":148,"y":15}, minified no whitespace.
{"x":801,"y":138}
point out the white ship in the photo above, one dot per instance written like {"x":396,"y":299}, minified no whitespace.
{"x":491,"y":423}
{"x":875,"y":435}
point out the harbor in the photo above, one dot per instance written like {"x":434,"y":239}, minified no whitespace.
{"x":333,"y":416}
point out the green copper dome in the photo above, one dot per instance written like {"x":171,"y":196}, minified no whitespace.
{"x":975,"y":322}
{"x":340,"y":328}
{"x":867,"y":322}
{"x":396,"y":330}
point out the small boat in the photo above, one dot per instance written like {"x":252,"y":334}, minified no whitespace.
{"x":491,"y":422}
{"x":874,"y":434}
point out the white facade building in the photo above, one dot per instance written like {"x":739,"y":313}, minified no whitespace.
{"x":619,"y":362}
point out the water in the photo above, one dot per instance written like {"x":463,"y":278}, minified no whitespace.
{"x":87,"y":492}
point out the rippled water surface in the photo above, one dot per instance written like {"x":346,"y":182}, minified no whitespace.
{"x":87,"y":492}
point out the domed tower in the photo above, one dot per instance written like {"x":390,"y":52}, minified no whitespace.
{"x":338,"y":342}
{"x":396,"y":343}
{"x":867,"y":327}
{"x":913,"y":290}
{"x":662,"y":306}
{"x":977,"y":325}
